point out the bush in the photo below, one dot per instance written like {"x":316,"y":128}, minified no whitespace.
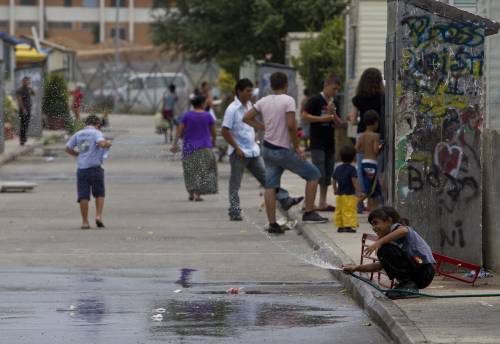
{"x":74,"y":126}
{"x":322,"y":55}
{"x":9,"y":108}
{"x":55,"y":101}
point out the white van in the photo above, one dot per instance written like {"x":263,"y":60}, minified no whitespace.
{"x":144,"y":92}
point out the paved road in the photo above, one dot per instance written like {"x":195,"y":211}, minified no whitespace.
{"x":59,"y":284}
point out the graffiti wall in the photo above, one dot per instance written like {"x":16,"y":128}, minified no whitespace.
{"x":438,"y":118}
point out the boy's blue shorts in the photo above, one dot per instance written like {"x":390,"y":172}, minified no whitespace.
{"x":369,"y":181}
{"x":90,"y":180}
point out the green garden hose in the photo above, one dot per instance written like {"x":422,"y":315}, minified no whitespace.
{"x":407,"y":292}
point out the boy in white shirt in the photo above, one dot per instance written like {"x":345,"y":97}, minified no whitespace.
{"x":281,"y":149}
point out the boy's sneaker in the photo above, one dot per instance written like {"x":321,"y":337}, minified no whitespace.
{"x":313,"y":217}
{"x":341,"y":230}
{"x":349,"y":230}
{"x":275,"y":228}
{"x":235,"y":217}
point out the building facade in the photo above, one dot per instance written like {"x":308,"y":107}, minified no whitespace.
{"x":84,"y":21}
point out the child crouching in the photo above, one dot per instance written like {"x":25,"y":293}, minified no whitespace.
{"x":402,"y":252}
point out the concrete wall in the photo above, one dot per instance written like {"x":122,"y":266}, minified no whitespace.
{"x":437,"y":117}
{"x":491,"y":198}
{"x":2,"y":94}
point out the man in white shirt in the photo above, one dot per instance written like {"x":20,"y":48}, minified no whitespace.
{"x":244,"y":152}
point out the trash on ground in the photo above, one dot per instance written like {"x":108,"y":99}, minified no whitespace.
{"x":159,"y":310}
{"x":177,"y":291}
{"x":482,"y":274}
{"x":157,"y":317}
{"x":235,"y":291}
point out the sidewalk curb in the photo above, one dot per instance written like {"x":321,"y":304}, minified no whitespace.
{"x":384,"y":312}
{"x":25,"y":150}
{"x":19,"y":152}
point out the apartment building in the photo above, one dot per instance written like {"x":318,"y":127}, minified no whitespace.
{"x":84,"y":21}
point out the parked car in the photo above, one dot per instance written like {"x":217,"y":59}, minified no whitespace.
{"x":144,"y":92}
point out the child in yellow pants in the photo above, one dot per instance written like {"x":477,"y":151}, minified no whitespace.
{"x":346,"y":186}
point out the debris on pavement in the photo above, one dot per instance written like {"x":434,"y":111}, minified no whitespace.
{"x":157,"y":317}
{"x":234,"y":291}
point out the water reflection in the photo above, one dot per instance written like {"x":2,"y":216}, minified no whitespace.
{"x":185,"y":279}
{"x":91,"y":310}
{"x":224,"y":318}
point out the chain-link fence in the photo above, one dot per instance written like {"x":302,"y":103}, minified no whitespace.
{"x":139,"y":87}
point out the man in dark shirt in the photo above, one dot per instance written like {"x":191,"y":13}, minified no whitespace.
{"x":321,"y":112}
{"x":23,"y":96}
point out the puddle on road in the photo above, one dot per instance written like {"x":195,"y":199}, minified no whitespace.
{"x":223,"y":318}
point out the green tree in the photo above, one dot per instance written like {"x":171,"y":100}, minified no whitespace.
{"x":322,"y":55}
{"x":55,"y":99}
{"x":230,"y":31}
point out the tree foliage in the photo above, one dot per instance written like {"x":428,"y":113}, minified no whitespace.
{"x":55,"y":96}
{"x":230,"y":31}
{"x":322,"y":55}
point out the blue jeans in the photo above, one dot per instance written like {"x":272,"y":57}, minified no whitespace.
{"x":279,"y":160}
{"x":256,"y":167}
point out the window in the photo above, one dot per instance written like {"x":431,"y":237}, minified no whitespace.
{"x":26,"y":24}
{"x":122,"y":34}
{"x":90,"y":3}
{"x":177,"y":81}
{"x":466,"y":5}
{"x":93,"y":28}
{"x":136,"y":84}
{"x":4,"y":25}
{"x":60,"y":25}
{"x":68,"y":3}
{"x":122,"y":3}
{"x":28,"y":3}
{"x":90,"y":27}
{"x":465,"y":2}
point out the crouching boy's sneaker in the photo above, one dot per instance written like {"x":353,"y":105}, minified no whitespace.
{"x":275,"y":228}
{"x":313,"y":217}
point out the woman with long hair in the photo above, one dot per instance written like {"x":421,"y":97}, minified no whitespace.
{"x":198,"y":161}
{"x":370,"y":95}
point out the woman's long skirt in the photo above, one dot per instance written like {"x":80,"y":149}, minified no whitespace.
{"x":200,"y":172}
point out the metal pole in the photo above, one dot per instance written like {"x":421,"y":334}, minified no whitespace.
{"x":117,"y":29}
{"x":117,"y":51}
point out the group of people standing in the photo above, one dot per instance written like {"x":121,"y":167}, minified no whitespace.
{"x":281,"y":150}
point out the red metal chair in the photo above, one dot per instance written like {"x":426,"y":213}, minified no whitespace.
{"x":462,"y":268}
{"x":366,"y":240}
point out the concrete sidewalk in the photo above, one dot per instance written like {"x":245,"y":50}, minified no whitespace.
{"x":417,"y":320}
{"x":13,"y":149}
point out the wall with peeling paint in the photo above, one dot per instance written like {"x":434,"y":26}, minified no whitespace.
{"x":438,"y":94}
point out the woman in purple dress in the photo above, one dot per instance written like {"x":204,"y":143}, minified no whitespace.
{"x":197,"y":128}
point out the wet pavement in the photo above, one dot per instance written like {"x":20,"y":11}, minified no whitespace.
{"x":144,"y":306}
{"x":59,"y":284}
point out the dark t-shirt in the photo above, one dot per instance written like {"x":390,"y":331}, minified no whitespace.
{"x":364,"y":104}
{"x":343,"y":175}
{"x":25,"y":94}
{"x":321,"y":134}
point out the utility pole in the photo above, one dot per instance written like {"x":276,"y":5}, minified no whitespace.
{"x":117,"y":52}
{"x":117,"y":30}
